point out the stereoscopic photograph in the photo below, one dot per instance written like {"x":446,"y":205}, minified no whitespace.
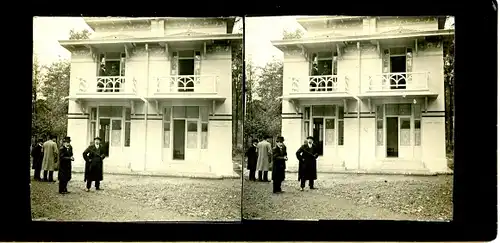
{"x":132,"y":119}
{"x":349,"y":118}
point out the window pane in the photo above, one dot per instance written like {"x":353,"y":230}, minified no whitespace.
{"x":380,"y":124}
{"x":404,"y":109}
{"x":329,"y":110}
{"x":166,"y":134}
{"x":318,"y":110}
{"x":380,"y":112}
{"x":186,"y":53}
{"x":166,"y":113}
{"x":116,"y":132}
{"x":392,"y":109}
{"x":341,"y":112}
{"x":92,"y":130}
{"x":341,"y":133}
{"x":204,"y":113}
{"x":192,"y":112}
{"x":127,"y":134}
{"x":380,"y":135}
{"x":192,"y":134}
{"x":306,"y":129}
{"x":405,"y":131}
{"x":105,"y":111}
{"x":307,"y":113}
{"x":173,"y":64}
{"x":398,"y":51}
{"x":417,"y":133}
{"x":417,"y":111}
{"x":330,"y":131}
{"x":204,"y":135}
{"x":179,"y":112}
{"x":127,"y":114}
{"x":93,"y":113}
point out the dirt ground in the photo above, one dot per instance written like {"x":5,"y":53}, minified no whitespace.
{"x":352,"y":196}
{"x":139,"y":198}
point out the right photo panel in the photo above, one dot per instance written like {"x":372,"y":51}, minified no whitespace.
{"x":348,"y":117}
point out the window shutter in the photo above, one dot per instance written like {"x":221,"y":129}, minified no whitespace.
{"x":173,"y":63}
{"x":197,"y":63}
{"x":385,"y":60}
{"x":409,"y":60}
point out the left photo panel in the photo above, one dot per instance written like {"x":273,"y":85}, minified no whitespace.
{"x":136,"y":119}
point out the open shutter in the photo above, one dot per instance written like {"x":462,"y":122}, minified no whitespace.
{"x":122,"y":64}
{"x":173,"y":63}
{"x":197,"y":63}
{"x":409,"y":60}
{"x":385,"y":61}
{"x":334,"y":63}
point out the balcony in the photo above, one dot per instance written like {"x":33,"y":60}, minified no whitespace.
{"x":188,"y":86}
{"x":398,"y":84}
{"x":106,"y":87}
{"x":312,"y":87}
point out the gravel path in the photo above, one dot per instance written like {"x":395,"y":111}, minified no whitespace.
{"x":351,"y":196}
{"x":139,"y":198}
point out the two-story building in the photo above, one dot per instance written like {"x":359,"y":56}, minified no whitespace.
{"x":157,"y":91}
{"x":370,"y":90}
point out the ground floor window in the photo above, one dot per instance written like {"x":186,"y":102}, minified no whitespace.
{"x":325,"y":123}
{"x":398,"y":127}
{"x":185,"y":128}
{"x":112,"y":125}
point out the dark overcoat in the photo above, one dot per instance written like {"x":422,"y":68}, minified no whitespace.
{"x":279,"y":163}
{"x":93,"y":162}
{"x":37,"y":154}
{"x":65,"y":154}
{"x":251,"y":154}
{"x":307,"y":162}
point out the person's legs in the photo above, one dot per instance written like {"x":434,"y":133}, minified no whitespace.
{"x":311,"y":184}
{"x":266,"y":179}
{"x":45,"y":173}
{"x":260,"y":175}
{"x":89,"y":184}
{"x":252,"y":175}
{"x":97,"y":185}
{"x":37,"y":174}
{"x":51,"y":176}
{"x":275,"y":187}
{"x":65,"y":186}
{"x":61,"y":187}
{"x":302,"y":183}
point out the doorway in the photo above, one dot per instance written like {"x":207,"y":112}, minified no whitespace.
{"x":179,"y":140}
{"x":392,"y":137}
{"x":318,"y":134}
{"x":398,"y":66}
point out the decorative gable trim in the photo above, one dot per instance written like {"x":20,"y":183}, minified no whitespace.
{"x":399,"y":30}
{"x":188,"y":33}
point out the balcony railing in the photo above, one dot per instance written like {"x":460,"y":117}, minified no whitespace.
{"x":412,"y":81}
{"x":115,"y":84}
{"x":187,"y":83}
{"x":320,"y":84}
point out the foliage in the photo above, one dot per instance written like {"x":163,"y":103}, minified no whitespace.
{"x":263,"y":115}
{"x":289,"y":35}
{"x":237,"y":84}
{"x":449,"y":81}
{"x":79,"y":35}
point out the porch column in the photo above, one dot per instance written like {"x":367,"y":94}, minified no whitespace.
{"x":220,"y":157}
{"x":291,"y":130}
{"x":433,"y":141}
{"x":78,"y":130}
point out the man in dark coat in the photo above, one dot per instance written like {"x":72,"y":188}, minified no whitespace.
{"x":65,"y":158}
{"x":94,"y":155}
{"x":307,"y":155}
{"x":37,"y":154}
{"x":251,"y":155}
{"x":279,"y":164}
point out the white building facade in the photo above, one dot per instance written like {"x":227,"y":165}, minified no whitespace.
{"x":370,"y":90}
{"x":158,"y":93}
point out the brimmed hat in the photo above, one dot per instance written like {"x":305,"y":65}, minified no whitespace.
{"x":67,"y":139}
{"x":310,"y":137}
{"x":39,"y":140}
{"x":255,"y":140}
{"x":280,"y":139}
{"x":97,"y":138}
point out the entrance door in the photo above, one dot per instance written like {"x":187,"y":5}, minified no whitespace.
{"x":192,"y":150}
{"x":104,"y":129}
{"x":392,"y":137}
{"x":318,"y":134}
{"x":179,"y":140}
{"x":330,"y":143}
{"x":115,"y":139}
{"x":398,"y":65}
{"x":405,"y":147}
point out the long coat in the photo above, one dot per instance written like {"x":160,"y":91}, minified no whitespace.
{"x":307,"y":162}
{"x":265,"y":152}
{"x":65,"y":155}
{"x":50,"y":155}
{"x":93,"y":162}
{"x":37,"y":154}
{"x":279,"y":163}
{"x":251,"y":154}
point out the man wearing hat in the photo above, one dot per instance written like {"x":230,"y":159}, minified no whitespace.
{"x":307,"y":155}
{"x":279,"y":164}
{"x":37,"y":154}
{"x":94,"y":155}
{"x":251,"y":155}
{"x":264,"y":156}
{"x":65,"y":158}
{"x":50,"y":156}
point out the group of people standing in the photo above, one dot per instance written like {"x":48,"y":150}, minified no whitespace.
{"x":261,"y":158}
{"x":49,"y":158}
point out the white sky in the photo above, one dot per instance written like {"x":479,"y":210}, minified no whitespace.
{"x":47,"y":31}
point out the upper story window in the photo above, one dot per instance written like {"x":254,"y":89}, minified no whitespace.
{"x":324,"y":63}
{"x":111,"y":64}
{"x":398,"y":61}
{"x":186,"y":66}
